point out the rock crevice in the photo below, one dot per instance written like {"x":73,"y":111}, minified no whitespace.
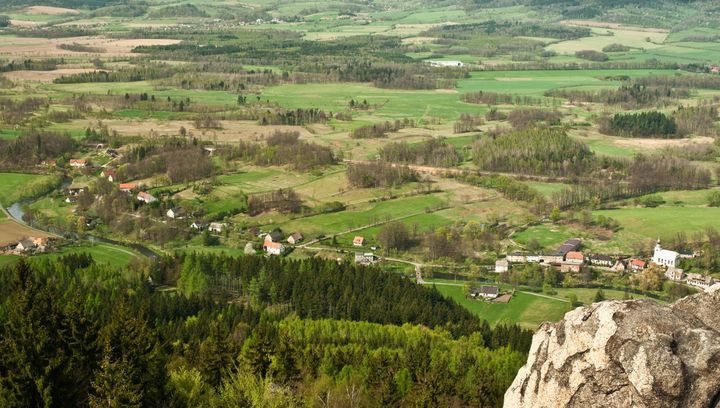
{"x":633,"y":353}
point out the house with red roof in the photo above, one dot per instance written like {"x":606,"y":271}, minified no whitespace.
{"x":637,"y":265}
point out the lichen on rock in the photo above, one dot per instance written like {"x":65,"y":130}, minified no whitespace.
{"x":634,"y":353}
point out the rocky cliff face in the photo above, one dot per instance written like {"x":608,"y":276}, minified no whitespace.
{"x":626,"y":354}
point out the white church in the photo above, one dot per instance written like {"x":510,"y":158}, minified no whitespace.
{"x":664,"y":257}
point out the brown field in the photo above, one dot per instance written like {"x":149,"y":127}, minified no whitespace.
{"x":35,"y":47}
{"x":47,"y":10}
{"x":418,"y":40}
{"x":601,"y":24}
{"x":12,"y":232}
{"x":43,"y":76}
{"x":661,"y":143}
{"x":25,"y":23}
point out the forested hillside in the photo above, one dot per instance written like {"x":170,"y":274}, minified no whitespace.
{"x":243,"y":331}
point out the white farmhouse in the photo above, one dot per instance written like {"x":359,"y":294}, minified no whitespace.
{"x":664,"y":257}
{"x":501,"y":265}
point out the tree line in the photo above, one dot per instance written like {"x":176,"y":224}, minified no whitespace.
{"x":628,"y":96}
{"x":495,"y":98}
{"x":282,"y":149}
{"x":434,"y":152}
{"x":285,"y":201}
{"x":543,"y":151}
{"x":379,"y":130}
{"x":32,"y":147}
{"x":379,"y":174}
{"x":648,"y":124}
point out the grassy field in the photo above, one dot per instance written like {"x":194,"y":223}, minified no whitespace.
{"x":11,"y":184}
{"x":102,"y":253}
{"x":362,"y":215}
{"x":547,"y":189}
{"x":601,"y":37}
{"x":527,"y":309}
{"x":665,"y":221}
{"x":547,"y":235}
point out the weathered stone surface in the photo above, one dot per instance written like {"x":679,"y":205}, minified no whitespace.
{"x":626,"y":354}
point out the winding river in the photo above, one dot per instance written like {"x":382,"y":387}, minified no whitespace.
{"x":16,"y":212}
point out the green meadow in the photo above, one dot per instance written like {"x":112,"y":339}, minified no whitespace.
{"x":101,"y":253}
{"x":665,"y":221}
{"x":11,"y":185}
{"x":527,"y":310}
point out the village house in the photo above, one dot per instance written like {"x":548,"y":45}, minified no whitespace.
{"x":664,"y":257}
{"x":620,"y":265}
{"x":71,"y":199}
{"x":552,"y":258}
{"x":574,"y":257}
{"x":198,"y":225}
{"x":49,"y":163}
{"x":533,"y":258}
{"x":367,"y":258}
{"x":25,"y":245}
{"x":570,"y":267}
{"x":176,"y":213}
{"x":502,"y":265}
{"x":78,"y":163}
{"x":715,"y":70}
{"x":147,"y":198}
{"x":674,"y":274}
{"x":295,"y":238}
{"x":572,"y":244}
{"x":274,"y":248}
{"x":358,"y":241}
{"x":274,"y":236}
{"x":217,"y":227}
{"x":700,"y":281}
{"x":637,"y":265}
{"x":110,"y":175}
{"x":516,"y":257}
{"x":601,"y":260}
{"x":127,"y":187}
{"x":76,"y":189}
{"x":485,"y":292}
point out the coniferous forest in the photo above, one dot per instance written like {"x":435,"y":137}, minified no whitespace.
{"x":240,"y":332}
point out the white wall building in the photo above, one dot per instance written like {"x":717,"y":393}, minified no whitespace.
{"x":664,"y":257}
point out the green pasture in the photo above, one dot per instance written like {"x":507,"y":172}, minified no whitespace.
{"x":547,"y":189}
{"x":536,"y":83}
{"x":665,"y":221}
{"x":526,"y":310}
{"x":101,"y":253}
{"x":389,"y":103}
{"x":548,"y":235}
{"x":11,"y":185}
{"x":212,"y":98}
{"x":359,"y":216}
{"x":602,"y":37}
{"x":687,"y":197}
